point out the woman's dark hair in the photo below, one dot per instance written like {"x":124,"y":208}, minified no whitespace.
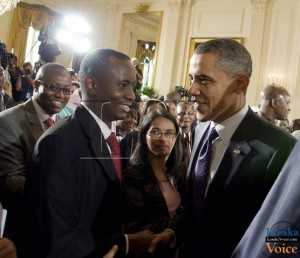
{"x":151,"y":102}
{"x":140,"y":154}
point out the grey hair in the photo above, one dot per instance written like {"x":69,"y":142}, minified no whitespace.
{"x":233,"y":57}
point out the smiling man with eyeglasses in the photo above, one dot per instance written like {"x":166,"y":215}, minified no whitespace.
{"x":20,"y":128}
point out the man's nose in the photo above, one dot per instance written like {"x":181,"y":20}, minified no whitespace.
{"x":59,"y":94}
{"x":194,"y":89}
{"x":129,"y":94}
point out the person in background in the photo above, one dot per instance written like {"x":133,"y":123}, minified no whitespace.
{"x":295,"y":128}
{"x":20,"y":128}
{"x":274,"y":104}
{"x":171,"y":104}
{"x":153,"y":179}
{"x":26,"y":89}
{"x":6,"y":101}
{"x":128,"y":143}
{"x":15,"y":74}
{"x":4,"y":57}
{"x":185,"y":118}
{"x":127,"y":125}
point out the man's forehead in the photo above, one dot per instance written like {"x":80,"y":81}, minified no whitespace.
{"x":123,"y":67}
{"x":58,"y":77}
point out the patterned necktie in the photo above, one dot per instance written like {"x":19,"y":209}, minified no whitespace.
{"x":202,"y":170}
{"x":115,"y":154}
{"x":49,"y":122}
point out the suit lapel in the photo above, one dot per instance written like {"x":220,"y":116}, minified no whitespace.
{"x":32,"y":118}
{"x":96,"y":140}
{"x":237,"y":151}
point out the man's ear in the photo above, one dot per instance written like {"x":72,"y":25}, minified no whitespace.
{"x":242,"y":82}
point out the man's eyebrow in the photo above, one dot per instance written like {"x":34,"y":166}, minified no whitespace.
{"x":200,"y":76}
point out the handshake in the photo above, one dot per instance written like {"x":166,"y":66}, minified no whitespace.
{"x":146,"y":241}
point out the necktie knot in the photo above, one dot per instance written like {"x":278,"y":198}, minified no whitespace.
{"x":49,"y":122}
{"x":113,"y":144}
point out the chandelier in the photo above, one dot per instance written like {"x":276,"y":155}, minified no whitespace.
{"x":7,"y":5}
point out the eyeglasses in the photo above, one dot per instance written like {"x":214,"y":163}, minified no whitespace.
{"x":186,"y":113}
{"x":55,"y":89}
{"x":156,"y":134}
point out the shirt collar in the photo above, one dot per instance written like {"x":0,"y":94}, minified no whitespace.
{"x":42,"y":115}
{"x":227,"y":128}
{"x":106,"y":131}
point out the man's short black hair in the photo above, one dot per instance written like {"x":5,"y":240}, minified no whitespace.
{"x":98,"y":59}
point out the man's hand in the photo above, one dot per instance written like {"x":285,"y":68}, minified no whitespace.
{"x":112,"y":252}
{"x":7,"y":249}
{"x":139,"y":242}
{"x":165,"y":239}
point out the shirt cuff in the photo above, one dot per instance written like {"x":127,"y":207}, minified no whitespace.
{"x":126,"y":244}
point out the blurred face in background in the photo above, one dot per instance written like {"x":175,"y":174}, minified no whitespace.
{"x":129,"y":123}
{"x":161,"y":137}
{"x":185,"y":116}
{"x":28,"y":70}
{"x":172,"y":107}
{"x":281,"y":106}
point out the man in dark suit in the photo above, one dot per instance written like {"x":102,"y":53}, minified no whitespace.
{"x":279,"y":217}
{"x":20,"y":128}
{"x":5,"y":100}
{"x":75,"y":186}
{"x":236,"y":156}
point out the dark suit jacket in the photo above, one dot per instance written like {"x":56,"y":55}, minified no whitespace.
{"x":20,"y":128}
{"x":254,"y":158}
{"x":73,"y":191}
{"x":280,"y":210}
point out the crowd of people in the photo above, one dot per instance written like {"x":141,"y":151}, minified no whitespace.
{"x":86,"y":170}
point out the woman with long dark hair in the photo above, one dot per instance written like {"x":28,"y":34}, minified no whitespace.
{"x":152,"y":182}
{"x":129,"y":142}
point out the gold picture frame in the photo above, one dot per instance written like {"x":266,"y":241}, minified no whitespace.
{"x":193,"y":44}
